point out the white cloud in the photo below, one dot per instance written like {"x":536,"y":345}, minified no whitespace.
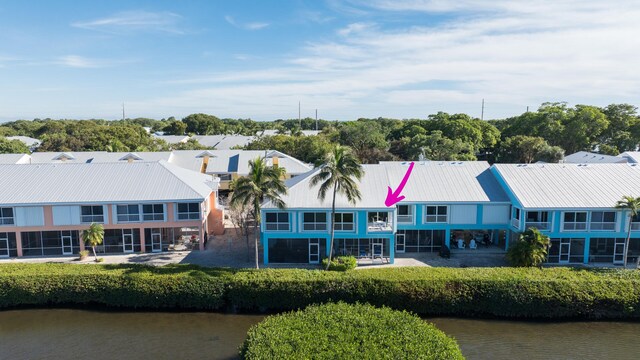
{"x":138,"y":20}
{"x":76,"y":61}
{"x":513,"y":54}
{"x":246,"y":26}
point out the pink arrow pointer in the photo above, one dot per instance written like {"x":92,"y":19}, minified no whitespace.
{"x":394,"y":196}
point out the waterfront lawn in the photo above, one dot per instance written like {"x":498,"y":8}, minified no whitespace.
{"x":550,"y":293}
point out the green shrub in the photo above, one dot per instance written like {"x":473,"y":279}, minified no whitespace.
{"x":343,"y":331}
{"x":83,"y":254}
{"x":340,"y":263}
{"x":550,"y":293}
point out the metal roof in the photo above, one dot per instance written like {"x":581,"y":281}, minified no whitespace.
{"x":571,"y":185}
{"x":223,"y":142}
{"x":631,"y":156}
{"x":29,"y":141}
{"x":585,"y":157}
{"x":430,"y":182}
{"x":71,"y":183}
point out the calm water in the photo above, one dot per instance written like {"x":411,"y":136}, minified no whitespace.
{"x":75,"y":334}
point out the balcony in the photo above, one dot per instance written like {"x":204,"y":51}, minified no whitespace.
{"x":405,"y":219}
{"x":379,"y":226}
{"x":515,"y":223}
{"x":544,"y":226}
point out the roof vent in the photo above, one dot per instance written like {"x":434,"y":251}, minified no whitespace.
{"x":130,"y":157}
{"x":64,"y":157}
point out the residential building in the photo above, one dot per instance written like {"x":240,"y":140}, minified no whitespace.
{"x":585,"y":157}
{"x":446,"y":203}
{"x":29,"y":141}
{"x":574,"y":204}
{"x":144,"y":207}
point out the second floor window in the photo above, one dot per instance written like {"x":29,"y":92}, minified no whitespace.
{"x":188,"y":211}
{"x":92,"y":214}
{"x":314,"y":221}
{"x":6,"y":216}
{"x":128,"y":213}
{"x":153,"y":212}
{"x":603,"y":220}
{"x":436,"y":214}
{"x":405,"y":213}
{"x":278,"y":221}
{"x":343,"y":222}
{"x":635,"y":222}
{"x":575,"y":220}
{"x":537,"y":219}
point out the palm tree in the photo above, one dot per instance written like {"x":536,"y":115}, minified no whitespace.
{"x":338,"y":173}
{"x":263,"y":183}
{"x":93,"y":236}
{"x":530,"y":249}
{"x":633,"y":206}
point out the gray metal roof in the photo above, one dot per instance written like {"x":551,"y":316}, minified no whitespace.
{"x":631,"y":156}
{"x":223,"y":142}
{"x":14,"y":158}
{"x":571,"y":185}
{"x":172,"y":139}
{"x":584,"y":157}
{"x":29,"y":141}
{"x":430,"y":182}
{"x":101,"y":183}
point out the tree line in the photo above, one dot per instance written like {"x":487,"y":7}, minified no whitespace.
{"x":546,"y":134}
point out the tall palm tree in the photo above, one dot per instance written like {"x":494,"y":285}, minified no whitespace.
{"x":263,"y":183}
{"x":338,"y":173}
{"x":93,"y":236}
{"x":632,"y":205}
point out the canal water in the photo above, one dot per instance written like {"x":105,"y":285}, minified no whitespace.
{"x":76,"y":334}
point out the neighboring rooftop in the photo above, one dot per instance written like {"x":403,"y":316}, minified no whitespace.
{"x":430,"y":181}
{"x":631,"y":156}
{"x":570,"y":185}
{"x":29,"y":141}
{"x":101,"y":183}
{"x":584,"y":157}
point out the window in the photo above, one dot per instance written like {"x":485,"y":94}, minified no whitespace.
{"x":128,"y":213}
{"x":314,"y":221}
{"x":92,"y":214}
{"x":575,"y":220}
{"x":224,"y":177}
{"x":277,"y":221}
{"x":635,"y":222}
{"x":6,"y":216}
{"x":188,"y":211}
{"x":436,"y":214}
{"x":153,"y":212}
{"x":537,"y":219}
{"x":405,"y":213}
{"x":603,"y":220}
{"x":343,"y":222}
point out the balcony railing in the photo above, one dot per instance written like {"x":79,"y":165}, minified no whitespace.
{"x":538,"y":225}
{"x":379,"y":226}
{"x":515,"y":223}
{"x":405,"y":219}
{"x":635,"y":226}
{"x":607,"y":226}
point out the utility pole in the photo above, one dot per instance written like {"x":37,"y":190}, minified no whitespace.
{"x":299,"y":118}
{"x":527,"y":108}
{"x":122,"y":111}
{"x":316,"y":119}
{"x":482,"y":114}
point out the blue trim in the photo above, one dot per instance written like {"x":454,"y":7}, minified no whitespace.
{"x":587,"y":243}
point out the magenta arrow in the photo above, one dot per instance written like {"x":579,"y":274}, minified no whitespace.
{"x":394,"y":196}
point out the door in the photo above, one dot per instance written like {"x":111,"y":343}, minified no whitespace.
{"x":4,"y":245}
{"x":127,"y":241}
{"x":376,"y":250}
{"x":156,"y":240}
{"x":314,"y":251}
{"x":618,"y":252}
{"x":67,"y":243}
{"x":565,"y":250}
{"x":400,"y":243}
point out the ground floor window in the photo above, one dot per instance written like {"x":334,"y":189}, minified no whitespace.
{"x":419,"y":240}
{"x":118,"y":241}
{"x":168,"y":239}
{"x":8,"y":246}
{"x":362,"y":248}
{"x":469,"y":239}
{"x":566,"y":250}
{"x":296,"y":251}
{"x":39,"y":243}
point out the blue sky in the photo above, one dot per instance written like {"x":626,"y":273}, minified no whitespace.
{"x":347,"y":58}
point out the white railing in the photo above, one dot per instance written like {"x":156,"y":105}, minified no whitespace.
{"x":538,"y":225}
{"x":379,"y":226}
{"x":405,"y":219}
{"x":515,"y":223}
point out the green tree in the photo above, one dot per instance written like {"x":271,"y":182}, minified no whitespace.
{"x":175,"y":127}
{"x":632,"y":206}
{"x":338,"y":174}
{"x":530,"y":249}
{"x":13,"y":147}
{"x":93,"y":236}
{"x":436,"y":146}
{"x":263,"y":183}
{"x":526,"y":149}
{"x":362,"y":137}
{"x":203,"y":124}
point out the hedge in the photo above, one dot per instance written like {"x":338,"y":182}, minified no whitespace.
{"x":471,"y":292}
{"x":340,"y":263}
{"x":343,"y":331}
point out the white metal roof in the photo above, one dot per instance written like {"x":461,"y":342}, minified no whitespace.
{"x":29,"y":141}
{"x":14,"y":159}
{"x":631,"y":156}
{"x":584,"y":157}
{"x":223,"y":142}
{"x":173,"y":139}
{"x":101,"y":183}
{"x":430,"y":182}
{"x":571,"y":185}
